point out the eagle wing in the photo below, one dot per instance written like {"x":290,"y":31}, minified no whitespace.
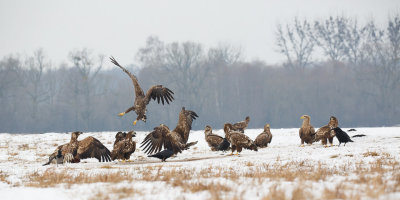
{"x":241,"y":140}
{"x":91,"y":147}
{"x":159,"y":92}
{"x":160,"y":138}
{"x":138,"y":89}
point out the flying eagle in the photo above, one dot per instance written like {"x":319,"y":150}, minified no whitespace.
{"x":124,"y":146}
{"x":176,"y":140}
{"x":238,"y":140}
{"x":306,"y":131}
{"x":240,"y":126}
{"x":326,"y":133}
{"x":155,"y":92}
{"x":214,"y":141}
{"x":342,"y":136}
{"x":264,"y":138}
{"x":75,"y":150}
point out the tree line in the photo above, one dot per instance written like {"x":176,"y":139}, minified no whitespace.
{"x":333,"y":67}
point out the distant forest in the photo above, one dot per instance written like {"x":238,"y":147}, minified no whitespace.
{"x":334,"y":66}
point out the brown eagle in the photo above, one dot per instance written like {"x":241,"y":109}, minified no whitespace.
{"x":264,"y":138}
{"x":240,"y":126}
{"x":306,"y":131}
{"x":124,"y":146}
{"x":155,"y":92}
{"x":75,"y":150}
{"x":238,"y":140}
{"x":326,"y":132}
{"x":213,"y":140}
{"x":176,"y":140}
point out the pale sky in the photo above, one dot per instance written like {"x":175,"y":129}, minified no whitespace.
{"x":120,"y":28}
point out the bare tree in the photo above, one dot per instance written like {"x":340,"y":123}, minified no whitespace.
{"x":35,"y":87}
{"x":296,"y":43}
{"x":88,"y":67}
{"x":329,"y":35}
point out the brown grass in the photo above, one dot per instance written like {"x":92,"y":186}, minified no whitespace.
{"x":51,"y":178}
{"x":370,"y":153}
{"x":3,"y":177}
{"x":275,"y":194}
{"x":117,"y":193}
{"x":23,"y":147}
{"x":334,"y":156}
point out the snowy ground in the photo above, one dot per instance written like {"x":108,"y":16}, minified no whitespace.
{"x":366,"y":169}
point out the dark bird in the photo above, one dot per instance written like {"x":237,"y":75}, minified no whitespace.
{"x":326,"y":133}
{"x":238,"y":140}
{"x":163,"y":138}
{"x":141,"y":100}
{"x":75,"y":150}
{"x":214,"y":141}
{"x":163,"y":155}
{"x":352,"y":129}
{"x":358,"y":135}
{"x":124,"y":146}
{"x":59,"y":157}
{"x":342,"y":136}
{"x":264,"y":138}
{"x":240,"y":126}
{"x":306,"y":131}
{"x":224,"y":146}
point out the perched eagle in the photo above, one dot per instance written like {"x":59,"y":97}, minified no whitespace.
{"x":342,"y":136}
{"x":215,"y":141}
{"x":240,"y":126}
{"x":326,"y":133}
{"x":176,"y":140}
{"x":264,"y":138}
{"x":75,"y":150}
{"x":155,"y":92}
{"x":306,"y":131}
{"x":124,"y":146}
{"x":238,"y":140}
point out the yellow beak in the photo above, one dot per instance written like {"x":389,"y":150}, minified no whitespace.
{"x":301,"y":117}
{"x":121,"y":114}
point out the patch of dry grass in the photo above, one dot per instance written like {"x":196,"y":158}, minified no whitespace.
{"x":51,"y":178}
{"x":334,"y":156}
{"x":3,"y":177}
{"x":117,"y":193}
{"x":370,"y":153}
{"x":275,"y":193}
{"x":23,"y":147}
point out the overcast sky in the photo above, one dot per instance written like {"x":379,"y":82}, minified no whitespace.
{"x":119,"y":28}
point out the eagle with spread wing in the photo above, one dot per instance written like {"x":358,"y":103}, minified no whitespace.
{"x":240,"y":126}
{"x":176,"y":141}
{"x":216,"y":142}
{"x":75,"y":150}
{"x":264,"y":138}
{"x":306,"y":131}
{"x":124,"y":146}
{"x":155,"y":92}
{"x":238,"y":140}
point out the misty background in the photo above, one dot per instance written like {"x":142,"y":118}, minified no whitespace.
{"x":346,"y":66}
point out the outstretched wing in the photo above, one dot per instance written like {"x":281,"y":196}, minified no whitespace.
{"x":91,"y":147}
{"x":159,"y":92}
{"x":190,"y":116}
{"x":138,"y":89}
{"x":161,"y":138}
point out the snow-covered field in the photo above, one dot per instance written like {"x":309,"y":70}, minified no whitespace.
{"x":366,"y":169}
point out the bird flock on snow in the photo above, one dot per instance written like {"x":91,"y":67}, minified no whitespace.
{"x":163,"y":142}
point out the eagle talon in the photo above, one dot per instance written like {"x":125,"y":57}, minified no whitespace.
{"x":302,"y":145}
{"x":134,"y":123}
{"x":121,"y":114}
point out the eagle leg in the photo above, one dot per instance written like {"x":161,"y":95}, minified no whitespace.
{"x":302,"y":145}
